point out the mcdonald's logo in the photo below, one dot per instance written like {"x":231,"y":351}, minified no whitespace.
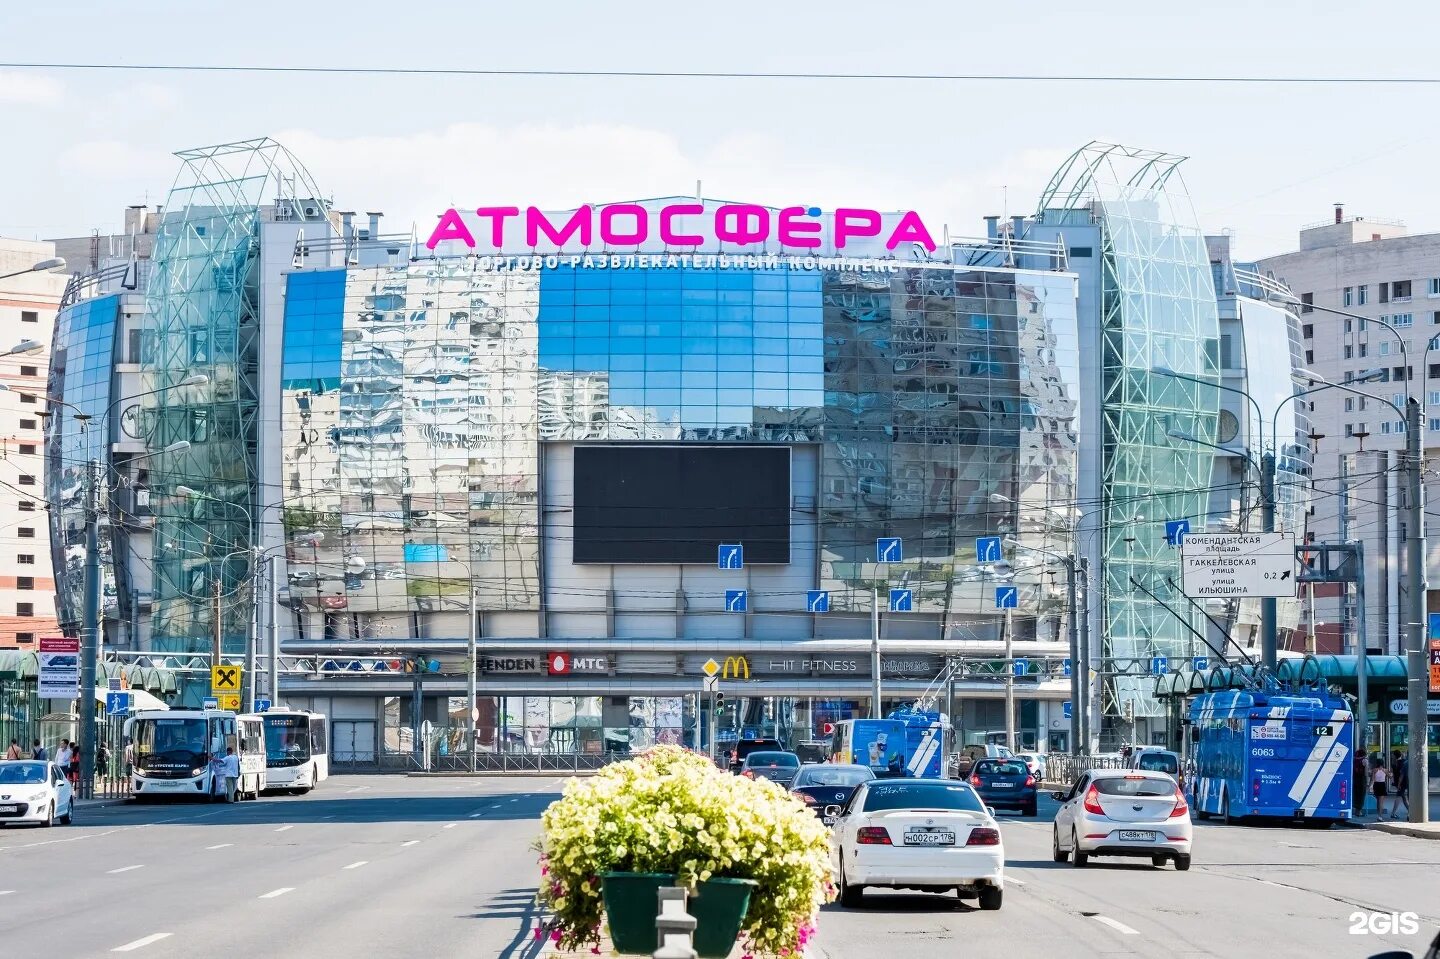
{"x":737,"y":663}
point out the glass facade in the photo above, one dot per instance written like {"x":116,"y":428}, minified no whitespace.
{"x":82,"y":368}
{"x":421,"y":404}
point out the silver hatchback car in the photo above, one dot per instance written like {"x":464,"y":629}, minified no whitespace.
{"x":1123,"y":812}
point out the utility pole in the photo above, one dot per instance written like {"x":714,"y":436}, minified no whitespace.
{"x":1081,"y":709}
{"x":272,"y":644}
{"x":1416,"y":666}
{"x":1362,"y":659}
{"x":1269,"y":631}
{"x":875,"y":654}
{"x":216,"y":649}
{"x":90,"y":630}
{"x":473,"y":668}
{"x":1076,"y":666}
{"x":1010,"y":682}
{"x":252,"y":631}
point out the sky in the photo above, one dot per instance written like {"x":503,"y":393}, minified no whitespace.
{"x":77,"y":147}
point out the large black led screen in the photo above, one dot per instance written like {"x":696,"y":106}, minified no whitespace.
{"x":648,"y":503}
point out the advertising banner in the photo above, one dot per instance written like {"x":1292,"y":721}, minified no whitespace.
{"x":59,"y":667}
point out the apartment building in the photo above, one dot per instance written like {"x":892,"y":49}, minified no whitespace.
{"x":28,"y":303}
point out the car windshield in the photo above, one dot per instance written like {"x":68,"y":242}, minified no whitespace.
{"x":156,"y":737}
{"x":1135,"y":786}
{"x":774,"y":759}
{"x":747,"y":747}
{"x":1159,"y":762}
{"x":287,"y":740}
{"x":993,"y":768}
{"x":922,"y":795}
{"x":833,"y":776}
{"x":15,"y":774}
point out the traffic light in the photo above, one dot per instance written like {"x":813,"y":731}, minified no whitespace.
{"x":719,"y":702}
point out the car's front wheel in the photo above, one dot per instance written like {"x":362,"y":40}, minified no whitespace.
{"x":49,"y":819}
{"x":69,"y":816}
{"x":991,"y":897}
{"x":850,"y":896}
{"x":1056,"y":853}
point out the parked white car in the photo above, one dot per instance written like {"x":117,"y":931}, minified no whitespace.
{"x":1035,"y":762}
{"x":35,"y":792}
{"x":927,"y":834}
{"x":1122,"y":812}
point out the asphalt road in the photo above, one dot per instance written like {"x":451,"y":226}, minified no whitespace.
{"x":390,"y":867}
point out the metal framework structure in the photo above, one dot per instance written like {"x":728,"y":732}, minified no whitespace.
{"x":1158,"y":310}
{"x":203,"y":317}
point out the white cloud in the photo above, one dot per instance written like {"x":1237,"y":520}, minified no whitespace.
{"x":415,"y":177}
{"x":24,"y":86}
{"x":144,"y":97}
{"x":116,"y":160}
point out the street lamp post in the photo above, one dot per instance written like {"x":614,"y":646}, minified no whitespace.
{"x":44,"y":266}
{"x":875,"y":653}
{"x":1077,"y":669}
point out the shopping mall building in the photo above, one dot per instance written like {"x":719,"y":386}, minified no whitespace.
{"x":620,"y":441}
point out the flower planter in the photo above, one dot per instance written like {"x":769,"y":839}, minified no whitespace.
{"x":632,"y":904}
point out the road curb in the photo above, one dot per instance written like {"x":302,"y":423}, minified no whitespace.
{"x":1416,"y":830}
{"x":501,"y":774}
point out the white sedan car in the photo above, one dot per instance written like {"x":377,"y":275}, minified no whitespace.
{"x":928,"y":834}
{"x":33,"y":791}
{"x":1123,"y":812}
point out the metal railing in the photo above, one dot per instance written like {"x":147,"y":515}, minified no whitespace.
{"x":1066,"y":769}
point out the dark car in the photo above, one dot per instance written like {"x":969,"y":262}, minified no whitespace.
{"x":778,"y":767}
{"x":744,"y":747}
{"x":812,"y":752}
{"x":1005,"y":783}
{"x":828,"y":784}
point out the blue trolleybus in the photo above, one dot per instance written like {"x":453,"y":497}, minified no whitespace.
{"x":1274,"y":755}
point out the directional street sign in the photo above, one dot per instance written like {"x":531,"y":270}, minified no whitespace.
{"x":1020,"y":667}
{"x":888,"y":549}
{"x":1176,"y":530}
{"x":987,"y":550}
{"x":262,"y":704}
{"x":902,"y":600}
{"x":817,"y":601}
{"x":211,"y":703}
{"x":117,"y":703}
{"x":712,"y":683}
{"x":1200,"y":662}
{"x":1065,"y":669}
{"x":230,"y":701}
{"x":732,"y":556}
{"x":1158,"y":664}
{"x":735,"y":600}
{"x":1067,"y":710}
{"x":1007,"y":597}
{"x":1226,"y":565}
{"x":225,"y":679}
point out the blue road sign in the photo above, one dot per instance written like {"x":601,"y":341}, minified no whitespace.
{"x":888,"y":549}
{"x":1065,"y":667}
{"x":1158,"y":664}
{"x":1020,"y":667}
{"x":114,"y":684}
{"x":1007,"y":597}
{"x":817,"y":601}
{"x":735,"y":600}
{"x":262,"y":704}
{"x":1175,"y":530}
{"x":1435,"y":625}
{"x":987,"y":550}
{"x":117,"y":703}
{"x":732,"y":556}
{"x":902,"y":600}
{"x":1066,"y":710}
{"x":1201,"y":662}
{"x":211,"y":703}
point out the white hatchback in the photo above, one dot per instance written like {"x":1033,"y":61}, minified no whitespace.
{"x":35,"y":792}
{"x":927,"y":834}
{"x":1123,"y":812}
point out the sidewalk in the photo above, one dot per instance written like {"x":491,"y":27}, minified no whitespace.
{"x":1428,"y":830}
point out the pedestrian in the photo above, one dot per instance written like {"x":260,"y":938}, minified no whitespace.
{"x":38,"y":753}
{"x":14,"y":751}
{"x":62,"y":755}
{"x":231,"y":766}
{"x":1400,"y":784}
{"x":72,"y":769}
{"x":102,"y":760}
{"x":1359,"y":784}
{"x":1379,"y":784}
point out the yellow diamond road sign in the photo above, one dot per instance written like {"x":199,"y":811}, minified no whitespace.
{"x":229,"y":701}
{"x":224,"y":679}
{"x":711,"y":667}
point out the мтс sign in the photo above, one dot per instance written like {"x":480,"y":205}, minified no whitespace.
{"x":1228,"y":565}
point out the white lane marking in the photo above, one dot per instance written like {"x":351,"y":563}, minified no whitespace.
{"x":283,"y":828}
{"x":125,"y":869}
{"x":412,"y":842}
{"x":277,"y":892}
{"x":221,"y":845}
{"x":6,"y":892}
{"x":476,"y":815}
{"x":357,"y":789}
{"x":1018,"y":882}
{"x":327,"y":817}
{"x":357,"y":865}
{"x":142,"y":943}
{"x":1117,"y":926}
{"x":451,"y":825}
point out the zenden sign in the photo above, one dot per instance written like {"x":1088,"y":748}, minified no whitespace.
{"x":681,"y":226}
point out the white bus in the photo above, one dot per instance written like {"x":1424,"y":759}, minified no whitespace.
{"x":297,"y":748}
{"x":171,"y":753}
